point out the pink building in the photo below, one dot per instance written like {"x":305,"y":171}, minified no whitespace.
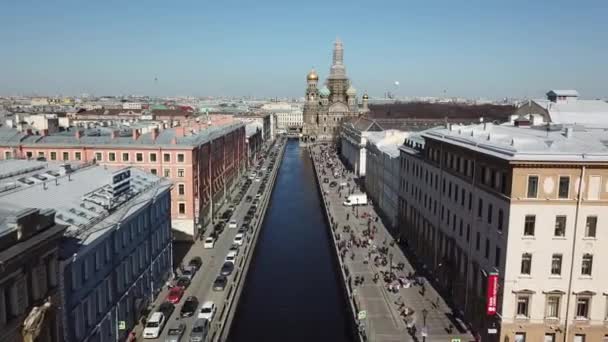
{"x":203,"y":162}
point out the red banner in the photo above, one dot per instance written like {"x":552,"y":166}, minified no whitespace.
{"x":491,"y":297}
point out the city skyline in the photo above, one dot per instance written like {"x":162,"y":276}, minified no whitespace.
{"x":266,"y":49}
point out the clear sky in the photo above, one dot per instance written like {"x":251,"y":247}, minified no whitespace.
{"x":469,"y":48}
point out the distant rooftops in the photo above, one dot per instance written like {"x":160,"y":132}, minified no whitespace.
{"x":567,"y":93}
{"x":540,"y":143}
{"x":565,"y":107}
{"x":90,"y":199}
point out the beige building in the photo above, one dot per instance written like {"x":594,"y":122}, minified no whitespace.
{"x":485,"y":199}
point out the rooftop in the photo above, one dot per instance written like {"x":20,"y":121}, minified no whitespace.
{"x":87,"y":199}
{"x":540,"y":143}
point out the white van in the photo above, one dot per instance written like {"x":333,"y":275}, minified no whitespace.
{"x":356,"y":199}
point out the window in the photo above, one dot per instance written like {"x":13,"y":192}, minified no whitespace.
{"x":41,"y":154}
{"x":556,"y":264}
{"x":590,"y":226}
{"x":497,"y":253}
{"x":523,"y":302}
{"x":167,"y":157}
{"x":53,"y":155}
{"x":125,"y":156}
{"x":549,"y":337}
{"x":139,"y":157}
{"x":532,"y":186}
{"x":66,"y":155}
{"x":582,"y":307}
{"x":529,"y":225}
{"x":490,"y":212}
{"x":520,"y":337}
{"x":112,"y":156}
{"x":180,"y":157}
{"x":182,"y":208}
{"x":488,"y":249}
{"x":153,"y":171}
{"x":98,"y":156}
{"x":181,"y":189}
{"x":153,"y":157}
{"x":77,"y":155}
{"x":579,"y":338}
{"x":180,"y":172}
{"x":500,"y":219}
{"x":167,"y":173}
{"x":7,"y":155}
{"x":477,"y":241}
{"x":526,"y":263}
{"x":564,"y":187}
{"x":552,"y":309}
{"x":587,"y":264}
{"x":480,"y":208}
{"x":560,"y":225}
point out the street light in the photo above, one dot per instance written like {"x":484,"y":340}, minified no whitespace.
{"x":424,"y":332}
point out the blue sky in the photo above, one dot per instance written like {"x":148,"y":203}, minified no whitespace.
{"x":265,"y":48}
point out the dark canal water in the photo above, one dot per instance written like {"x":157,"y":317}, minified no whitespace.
{"x":293,"y":292}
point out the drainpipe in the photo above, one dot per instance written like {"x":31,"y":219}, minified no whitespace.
{"x":570,"y":277}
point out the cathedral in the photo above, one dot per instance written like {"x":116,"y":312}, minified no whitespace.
{"x":325,"y":109}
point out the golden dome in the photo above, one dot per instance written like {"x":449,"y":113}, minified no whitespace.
{"x":365,"y":97}
{"x":312,"y":75}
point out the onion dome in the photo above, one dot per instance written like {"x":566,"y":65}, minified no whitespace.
{"x":324,"y":92}
{"x":351,"y":91}
{"x":312,"y":75}
{"x":365,"y":97}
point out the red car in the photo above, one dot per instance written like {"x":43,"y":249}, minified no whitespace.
{"x":175,"y":294}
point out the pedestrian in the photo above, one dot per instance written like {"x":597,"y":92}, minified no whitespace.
{"x":347,"y":216}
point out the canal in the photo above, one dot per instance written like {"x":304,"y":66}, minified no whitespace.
{"x":292,"y":291}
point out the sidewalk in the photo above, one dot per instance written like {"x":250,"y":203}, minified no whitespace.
{"x":367,"y":250}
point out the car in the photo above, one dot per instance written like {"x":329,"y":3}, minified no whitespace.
{"x":207,"y":311}
{"x":200,"y":330}
{"x":189,"y":272}
{"x":175,"y":294}
{"x":227,"y":268}
{"x":258,"y":195}
{"x":218,"y":228}
{"x":325,"y":180}
{"x":234,"y":248}
{"x":248,"y":198}
{"x":154,"y":325}
{"x":257,"y":179}
{"x":190,"y":306}
{"x":182,"y":282}
{"x":220,"y":283}
{"x":333,"y":184}
{"x":238,"y":239}
{"x":243,"y":230}
{"x":175,"y":333}
{"x":196,"y":262}
{"x":166,"y":308}
{"x":231,"y":256}
{"x":209,"y":243}
{"x":232,"y":224}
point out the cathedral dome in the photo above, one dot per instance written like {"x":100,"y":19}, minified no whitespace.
{"x":312,"y":76}
{"x":351,"y":91}
{"x":324,"y":92}
{"x":365,"y":97}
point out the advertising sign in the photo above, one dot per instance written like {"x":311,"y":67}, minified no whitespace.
{"x":491,"y":296}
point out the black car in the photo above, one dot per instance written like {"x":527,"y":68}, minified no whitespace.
{"x":227,"y":268}
{"x":219,"y":228}
{"x":220,"y":283}
{"x":190,"y":307}
{"x":248,"y":199}
{"x":226,"y":215}
{"x":325,"y":180}
{"x":183,"y":282}
{"x":243,"y":229}
{"x":197,"y":262}
{"x":333,"y":184}
{"x":166,"y":308}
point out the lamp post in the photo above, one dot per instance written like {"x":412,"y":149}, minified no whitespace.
{"x":424,"y":333}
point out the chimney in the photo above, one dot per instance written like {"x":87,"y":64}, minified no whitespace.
{"x":114,"y":134}
{"x":45,"y":132}
{"x":135,"y":134}
{"x":78,"y":134}
{"x":154,"y":133}
{"x":569,"y":132}
{"x":173,"y":141}
{"x":180,"y":131}
{"x":28,"y":131}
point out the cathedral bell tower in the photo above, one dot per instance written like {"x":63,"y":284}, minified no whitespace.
{"x":312,"y":102}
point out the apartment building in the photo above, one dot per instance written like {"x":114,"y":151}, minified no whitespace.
{"x":203,"y":161}
{"x":508,"y":221}
{"x":29,"y":257}
{"x":116,"y":253}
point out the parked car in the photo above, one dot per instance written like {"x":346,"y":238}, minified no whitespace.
{"x":175,"y":294}
{"x":234,"y":248}
{"x":238,"y":239}
{"x":183,"y":282}
{"x":154,"y":325}
{"x":200,"y":330}
{"x":232,"y":224}
{"x":231,"y":256}
{"x":189,"y":307}
{"x":209,"y":243}
{"x":196,"y":262}
{"x":166,"y":308}
{"x":227,"y":268}
{"x":189,"y":272}
{"x":333,"y":184}
{"x":175,"y":333}
{"x":207,"y":311}
{"x":220,"y":283}
{"x":243,"y":230}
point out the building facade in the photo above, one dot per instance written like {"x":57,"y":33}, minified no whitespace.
{"x":203,"y":162}
{"x":29,"y":282}
{"x":325,"y":109}
{"x":116,"y":253}
{"x":518,"y":206}
{"x":353,"y":142}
